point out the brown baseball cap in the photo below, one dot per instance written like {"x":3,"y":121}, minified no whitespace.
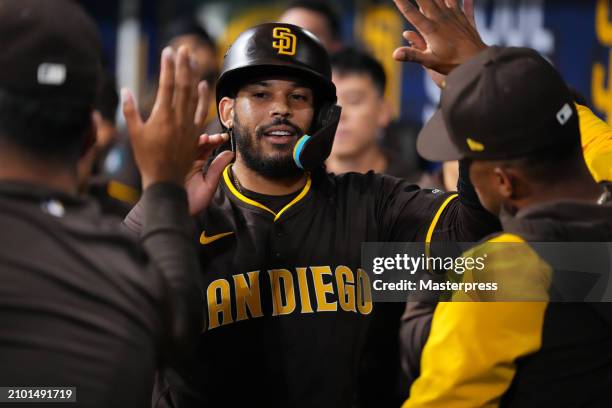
{"x":504,"y":103}
{"x":51,"y":50}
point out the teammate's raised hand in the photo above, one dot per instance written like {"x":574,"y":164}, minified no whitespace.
{"x":165,"y":146}
{"x":446,"y":35}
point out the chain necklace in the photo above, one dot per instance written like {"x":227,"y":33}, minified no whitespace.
{"x":235,"y":180}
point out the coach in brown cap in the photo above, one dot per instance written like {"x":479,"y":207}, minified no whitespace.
{"x":511,"y":116}
{"x":83,"y":304}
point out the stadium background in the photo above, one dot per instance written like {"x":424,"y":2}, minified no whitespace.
{"x":575,"y":35}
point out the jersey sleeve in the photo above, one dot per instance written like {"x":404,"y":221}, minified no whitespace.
{"x":596,"y":136}
{"x":165,"y":230}
{"x":470,"y":357}
{"x":411,"y":214}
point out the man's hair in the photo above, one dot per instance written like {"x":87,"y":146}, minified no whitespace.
{"x":188,"y":26}
{"x":107,"y":100}
{"x":551,"y":165}
{"x":50,"y":130}
{"x":355,"y":61}
{"x":323,"y":8}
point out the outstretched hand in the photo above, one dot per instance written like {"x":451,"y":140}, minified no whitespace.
{"x":446,"y":35}
{"x":168,"y":146}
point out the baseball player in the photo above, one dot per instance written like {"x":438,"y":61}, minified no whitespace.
{"x":288,"y":306}
{"x":444,"y":39}
{"x":528,"y":167}
{"x":82,"y":303}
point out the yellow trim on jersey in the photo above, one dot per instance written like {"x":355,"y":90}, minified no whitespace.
{"x":122,"y":192}
{"x":596,"y":136}
{"x":435,"y":220}
{"x":506,"y":237}
{"x":254,"y":203}
{"x":296,"y":199}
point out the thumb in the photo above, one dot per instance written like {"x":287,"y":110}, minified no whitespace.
{"x":130,"y":112}
{"x":416,"y":39}
{"x":412,"y":54}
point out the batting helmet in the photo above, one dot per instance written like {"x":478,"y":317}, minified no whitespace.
{"x":276,"y":49}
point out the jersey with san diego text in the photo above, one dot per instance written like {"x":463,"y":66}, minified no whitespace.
{"x":288,"y":307}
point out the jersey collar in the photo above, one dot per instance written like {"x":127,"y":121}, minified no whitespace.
{"x":247,"y":200}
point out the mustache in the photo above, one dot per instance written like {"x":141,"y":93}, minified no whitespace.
{"x":278,"y":122}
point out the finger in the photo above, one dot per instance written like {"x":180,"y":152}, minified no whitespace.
{"x":468,"y":9}
{"x":202,"y":108}
{"x":441,"y":5}
{"x":184,"y":89}
{"x":165,"y":90}
{"x":130,"y":112}
{"x":453,"y":4}
{"x":213,"y":174}
{"x":412,"y":54}
{"x":207,"y":143}
{"x":429,"y":7}
{"x":414,"y":16}
{"x":415,"y":39}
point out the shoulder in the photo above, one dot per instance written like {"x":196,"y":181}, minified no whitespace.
{"x":370,"y":182}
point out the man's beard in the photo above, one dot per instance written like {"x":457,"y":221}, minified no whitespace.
{"x":280,"y":167}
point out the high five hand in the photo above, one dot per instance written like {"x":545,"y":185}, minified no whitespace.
{"x":168,"y":146}
{"x":446,"y":35}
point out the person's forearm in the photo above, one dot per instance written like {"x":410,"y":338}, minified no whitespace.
{"x":166,"y":234}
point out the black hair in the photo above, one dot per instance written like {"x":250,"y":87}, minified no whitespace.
{"x":187,"y":26}
{"x":49,"y":130}
{"x":352,"y":60}
{"x":323,"y":8}
{"x":107,"y":100}
{"x":553,"y":164}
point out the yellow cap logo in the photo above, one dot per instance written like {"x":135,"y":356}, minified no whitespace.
{"x":474,"y":145}
{"x":286,"y":41}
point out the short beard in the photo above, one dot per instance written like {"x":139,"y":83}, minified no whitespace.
{"x":282,"y":167}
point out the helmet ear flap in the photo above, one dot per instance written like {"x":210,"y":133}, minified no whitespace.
{"x":311,"y":151}
{"x":326,"y":114}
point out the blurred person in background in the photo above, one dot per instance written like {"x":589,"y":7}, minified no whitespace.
{"x":360,"y":82}
{"x":83,"y":303}
{"x":318,"y":17}
{"x":201,"y":47}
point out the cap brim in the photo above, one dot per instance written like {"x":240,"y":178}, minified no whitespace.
{"x":435,"y":143}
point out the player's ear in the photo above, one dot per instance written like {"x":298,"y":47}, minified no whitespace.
{"x":510,"y":184}
{"x":226,"y":111}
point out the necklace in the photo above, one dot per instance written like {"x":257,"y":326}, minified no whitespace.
{"x":235,"y":180}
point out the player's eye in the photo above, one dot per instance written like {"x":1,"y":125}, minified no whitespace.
{"x":260,"y":95}
{"x":299,"y":97}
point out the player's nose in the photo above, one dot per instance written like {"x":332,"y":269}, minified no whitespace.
{"x":280,"y":107}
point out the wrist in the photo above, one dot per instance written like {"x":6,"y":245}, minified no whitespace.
{"x":150,"y":180}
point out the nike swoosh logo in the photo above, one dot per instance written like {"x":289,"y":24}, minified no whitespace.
{"x":204,"y":240}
